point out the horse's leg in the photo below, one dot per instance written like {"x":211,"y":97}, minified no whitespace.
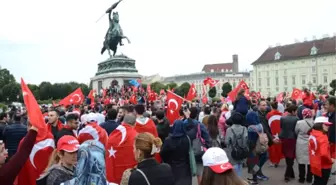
{"x":108,"y":48}
{"x":125,"y":37}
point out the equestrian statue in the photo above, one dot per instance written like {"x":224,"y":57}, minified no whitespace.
{"x":114,"y":34}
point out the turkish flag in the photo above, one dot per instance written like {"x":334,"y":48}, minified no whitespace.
{"x":149,"y":90}
{"x":210,"y":81}
{"x":92,"y":131}
{"x":162,"y":91}
{"x":279,"y":97}
{"x":204,"y":95}
{"x":133,"y":99}
{"x":275,"y":150}
{"x":174,"y":103}
{"x":192,"y":92}
{"x":74,"y":98}
{"x":258,"y":95}
{"x":34,"y":112}
{"x":314,"y":153}
{"x":120,"y":152}
{"x":296,"y":94}
{"x":91,"y":96}
{"x":242,"y":85}
{"x":44,"y":143}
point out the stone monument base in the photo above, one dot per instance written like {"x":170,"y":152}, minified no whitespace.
{"x":119,"y":68}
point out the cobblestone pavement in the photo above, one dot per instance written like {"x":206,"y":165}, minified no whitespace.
{"x":276,"y":175}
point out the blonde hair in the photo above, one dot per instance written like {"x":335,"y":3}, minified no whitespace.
{"x":148,"y":144}
{"x":53,"y":159}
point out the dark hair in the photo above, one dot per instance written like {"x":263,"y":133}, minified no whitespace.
{"x":130,"y":108}
{"x":332,"y":100}
{"x":17,"y":117}
{"x":139,"y":109}
{"x":3,"y":115}
{"x":193,"y":112}
{"x":55,"y":110}
{"x":213,"y":126}
{"x":159,"y":114}
{"x":71,"y":116}
{"x":274,"y":105}
{"x":111,"y":114}
{"x":207,"y":110}
{"x":291,"y":108}
{"x":181,"y":113}
{"x":229,"y":177}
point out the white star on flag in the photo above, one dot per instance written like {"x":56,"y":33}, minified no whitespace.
{"x":313,"y":152}
{"x":112,"y":152}
{"x":24,"y":93}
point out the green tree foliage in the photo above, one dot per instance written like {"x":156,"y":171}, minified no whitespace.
{"x":10,"y":89}
{"x":183,"y":89}
{"x":171,"y":86}
{"x":333,"y":87}
{"x":144,"y":86}
{"x":226,"y":88}
{"x":157,"y":86}
{"x":212,"y":92}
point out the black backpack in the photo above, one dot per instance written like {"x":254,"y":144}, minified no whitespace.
{"x":239,"y":153}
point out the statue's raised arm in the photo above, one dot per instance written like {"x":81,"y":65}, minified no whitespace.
{"x":109,"y":10}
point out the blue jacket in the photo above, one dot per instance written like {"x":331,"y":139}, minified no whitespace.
{"x":12,"y":136}
{"x":191,"y":127}
{"x":109,"y":126}
{"x":241,"y":105}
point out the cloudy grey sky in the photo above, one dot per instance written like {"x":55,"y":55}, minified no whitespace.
{"x":59,"y":41}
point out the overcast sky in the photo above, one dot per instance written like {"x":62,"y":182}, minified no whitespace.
{"x":60,"y":41}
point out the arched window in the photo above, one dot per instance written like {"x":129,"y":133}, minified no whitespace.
{"x":277,"y":56}
{"x":313,"y":50}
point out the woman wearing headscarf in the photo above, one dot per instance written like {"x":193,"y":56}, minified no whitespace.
{"x":175,"y":152}
{"x":302,"y":156}
{"x":254,"y":162}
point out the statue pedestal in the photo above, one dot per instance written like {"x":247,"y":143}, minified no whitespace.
{"x":119,"y":68}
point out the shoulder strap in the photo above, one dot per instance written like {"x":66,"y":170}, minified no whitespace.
{"x":143,"y":174}
{"x":308,"y":124}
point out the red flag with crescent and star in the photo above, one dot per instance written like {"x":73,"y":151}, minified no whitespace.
{"x":314,"y":154}
{"x":192,"y":92}
{"x":44,"y":143}
{"x":74,"y":98}
{"x":210,"y":81}
{"x":120,"y":152}
{"x":242,"y":85}
{"x":92,"y":131}
{"x":275,"y":150}
{"x":174,"y":103}
{"x":296,"y":94}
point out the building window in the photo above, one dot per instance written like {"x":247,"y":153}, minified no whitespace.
{"x":324,"y":59}
{"x":325,"y":79}
{"x":277,"y":89}
{"x":285,"y":80}
{"x":314,"y":69}
{"x":314,"y":60}
{"x":222,"y":70}
{"x":302,"y":61}
{"x":212,"y":70}
{"x":259,"y":81}
{"x":286,"y":88}
{"x":276,"y":81}
{"x":313,"y":50}
{"x":325,"y":70}
{"x":303,"y":79}
{"x":285,"y":71}
{"x":277,"y":56}
{"x":267,"y":73}
{"x":259,"y":74}
{"x":268,"y":81}
{"x":276,"y":72}
{"x":293,"y":80}
{"x":314,"y":79}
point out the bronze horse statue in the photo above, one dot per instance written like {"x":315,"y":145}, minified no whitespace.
{"x":114,"y":34}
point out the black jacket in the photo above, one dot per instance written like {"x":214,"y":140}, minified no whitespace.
{"x":332,"y":129}
{"x":3,"y":125}
{"x":163,"y":129}
{"x":109,"y":126}
{"x":287,"y":125}
{"x":157,"y":174}
{"x":266,"y":127}
{"x":12,"y":136}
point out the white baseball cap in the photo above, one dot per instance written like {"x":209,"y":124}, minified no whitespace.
{"x":216,"y":159}
{"x":322,"y":119}
{"x":91,"y":117}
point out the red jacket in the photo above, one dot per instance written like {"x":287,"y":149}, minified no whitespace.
{"x":319,"y":152}
{"x":308,"y":99}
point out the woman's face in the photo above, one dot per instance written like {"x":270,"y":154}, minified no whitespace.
{"x":69,"y":158}
{"x":137,"y":153}
{"x":325,"y":127}
{"x":3,"y":154}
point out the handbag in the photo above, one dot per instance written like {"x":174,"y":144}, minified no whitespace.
{"x":198,"y":144}
{"x":192,"y":160}
{"x":143,"y":174}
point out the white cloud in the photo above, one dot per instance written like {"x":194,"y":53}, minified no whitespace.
{"x":59,"y":41}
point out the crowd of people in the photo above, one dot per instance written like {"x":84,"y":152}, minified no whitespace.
{"x":128,"y":144}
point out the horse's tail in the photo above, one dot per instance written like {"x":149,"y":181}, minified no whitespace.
{"x":103,"y":50}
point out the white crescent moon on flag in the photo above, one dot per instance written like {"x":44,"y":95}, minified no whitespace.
{"x":24,"y":93}
{"x":78,"y":98}
{"x":223,"y":167}
{"x":174,"y":101}
{"x":194,"y":90}
{"x":123,"y":132}
{"x":39,"y":146}
{"x":313,"y":138}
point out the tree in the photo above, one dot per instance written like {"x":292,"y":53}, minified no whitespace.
{"x":11,"y":91}
{"x":333,"y":87}
{"x":144,"y":86}
{"x":5,"y":78}
{"x":226,"y":88}
{"x":46,"y":91}
{"x":183,"y":89}
{"x":157,"y":86}
{"x":212,"y":92}
{"x":171,"y":86}
{"x":35,"y":90}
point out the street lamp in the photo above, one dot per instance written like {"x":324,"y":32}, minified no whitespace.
{"x":309,"y":85}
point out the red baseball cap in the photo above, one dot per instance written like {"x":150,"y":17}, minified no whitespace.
{"x":68,"y":143}
{"x":216,"y":159}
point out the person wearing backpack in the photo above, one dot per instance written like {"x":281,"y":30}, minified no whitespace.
{"x":236,"y":142}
